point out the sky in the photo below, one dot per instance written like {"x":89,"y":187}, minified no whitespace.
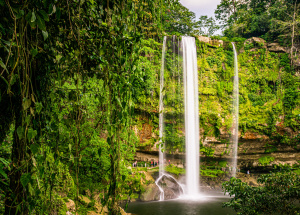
{"x":201,"y":7}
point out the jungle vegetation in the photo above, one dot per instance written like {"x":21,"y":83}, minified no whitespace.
{"x":76,"y":76}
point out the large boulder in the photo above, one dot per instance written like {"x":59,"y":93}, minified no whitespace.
{"x":255,"y":42}
{"x":213,"y":42}
{"x":204,"y":39}
{"x":275,"y":47}
{"x":171,"y":187}
{"x":70,"y":205}
{"x":151,"y":193}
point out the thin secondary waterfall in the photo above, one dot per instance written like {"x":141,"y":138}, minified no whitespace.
{"x":235,"y":123}
{"x":190,"y":79}
{"x":161,"y":121}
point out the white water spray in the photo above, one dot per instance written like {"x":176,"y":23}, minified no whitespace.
{"x":235,"y":123}
{"x":190,"y":78}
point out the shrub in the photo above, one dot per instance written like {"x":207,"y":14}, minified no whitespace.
{"x":278,"y":195}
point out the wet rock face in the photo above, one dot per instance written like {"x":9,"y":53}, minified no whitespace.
{"x":172,"y":189}
{"x":151,"y":194}
{"x":210,"y":41}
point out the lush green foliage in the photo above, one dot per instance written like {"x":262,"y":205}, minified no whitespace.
{"x":68,"y":74}
{"x":174,"y":170}
{"x":73,"y":73}
{"x":267,"y":92}
{"x":278,"y":193}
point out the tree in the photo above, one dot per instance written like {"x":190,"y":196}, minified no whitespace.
{"x":177,"y":19}
{"x":226,"y":12}
{"x":286,"y":21}
{"x":244,"y":18}
{"x":207,"y":26}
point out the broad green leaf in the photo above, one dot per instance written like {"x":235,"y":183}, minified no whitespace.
{"x":31,"y":111}
{"x":33,"y":161}
{"x":33,"y":17}
{"x":44,"y":15}
{"x":27,"y":119}
{"x":34,"y":52}
{"x":45,"y":35}
{"x":13,"y":79}
{"x":3,"y":65}
{"x":34,"y":148}
{"x":26,"y":103}
{"x":20,"y":132}
{"x":31,"y":134}
{"x":50,"y":9}
{"x":41,"y":23}
{"x":20,"y":14}
{"x":25,"y":179}
{"x":28,"y":17}
{"x":30,"y":189}
{"x":38,"y":107}
{"x":3,"y":173}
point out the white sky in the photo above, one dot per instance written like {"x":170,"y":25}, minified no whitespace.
{"x":202,"y":7}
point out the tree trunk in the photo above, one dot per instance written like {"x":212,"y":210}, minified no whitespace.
{"x":293,"y":33}
{"x":13,"y":203}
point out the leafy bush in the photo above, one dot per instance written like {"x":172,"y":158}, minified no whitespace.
{"x":213,"y":173}
{"x":265,"y":160}
{"x":255,"y":99}
{"x":278,"y":195}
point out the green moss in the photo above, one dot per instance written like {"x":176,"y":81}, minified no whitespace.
{"x":213,"y":173}
{"x":266,"y":160}
{"x":174,"y":169}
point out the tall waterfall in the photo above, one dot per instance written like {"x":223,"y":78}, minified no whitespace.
{"x":161,"y":121}
{"x":178,"y":109}
{"x":190,"y":78}
{"x":235,"y":123}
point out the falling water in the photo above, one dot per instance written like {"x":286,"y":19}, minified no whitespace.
{"x":161,"y":120}
{"x":235,"y":123}
{"x":191,"y":115}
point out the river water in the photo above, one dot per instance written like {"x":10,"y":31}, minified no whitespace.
{"x":203,"y":206}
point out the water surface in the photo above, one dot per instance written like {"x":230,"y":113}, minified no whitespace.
{"x":204,"y":206}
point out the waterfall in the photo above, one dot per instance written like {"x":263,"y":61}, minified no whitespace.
{"x":161,"y":120}
{"x":235,"y":123}
{"x":174,"y":92}
{"x":190,"y":79}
